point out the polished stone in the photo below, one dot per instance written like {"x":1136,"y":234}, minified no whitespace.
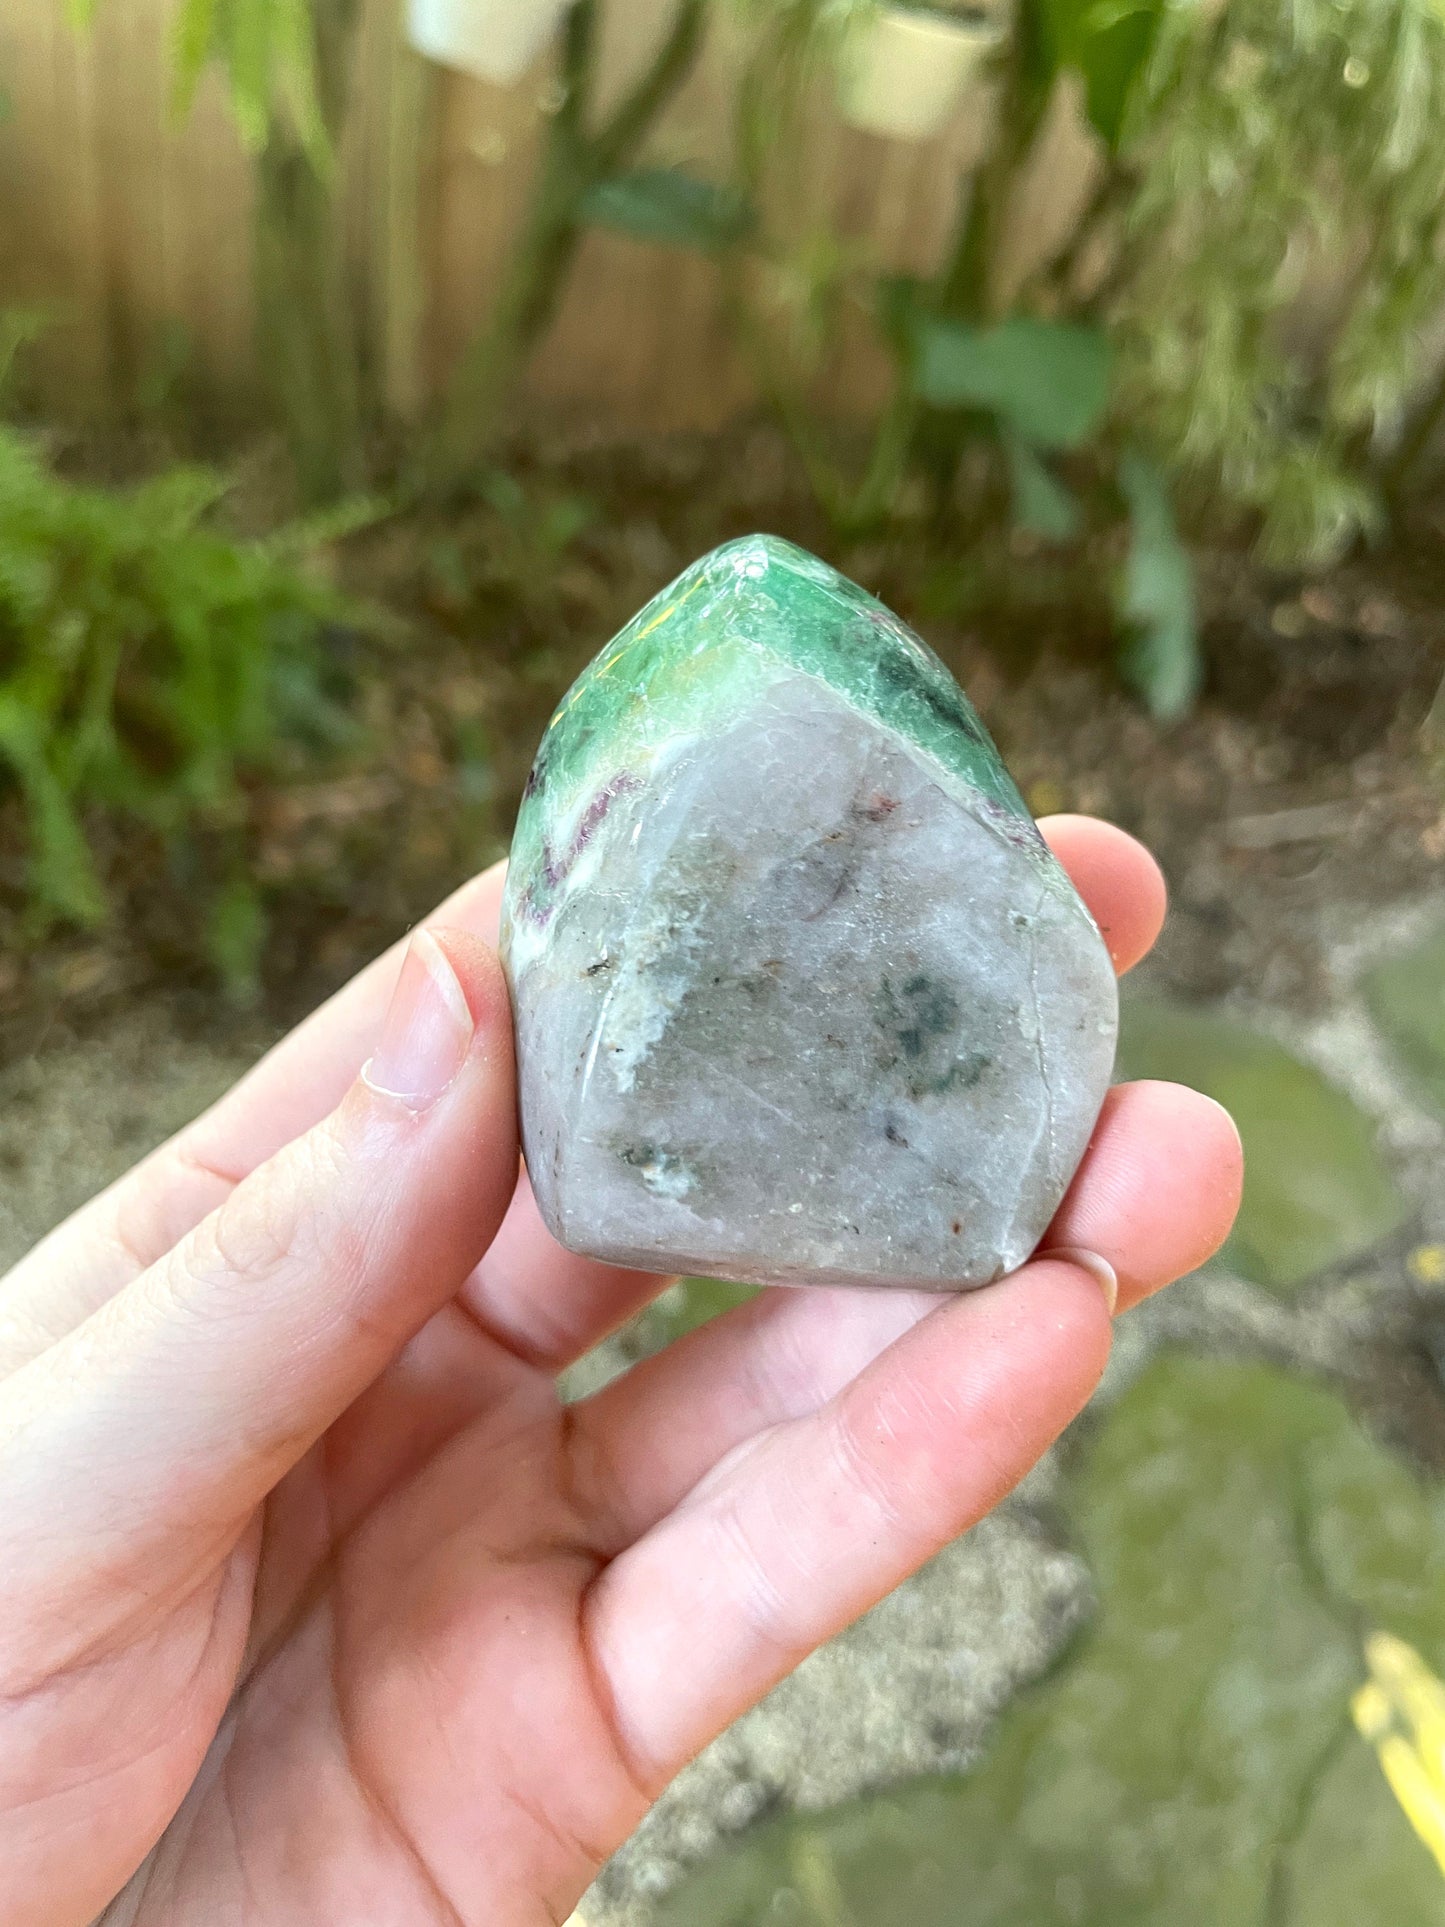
{"x":800,"y":993}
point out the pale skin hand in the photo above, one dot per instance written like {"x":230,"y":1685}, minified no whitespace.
{"x":316,"y":1607}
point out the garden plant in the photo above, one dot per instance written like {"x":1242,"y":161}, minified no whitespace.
{"x":1164,"y":488}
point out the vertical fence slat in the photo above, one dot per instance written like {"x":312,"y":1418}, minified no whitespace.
{"x":50,"y":225}
{"x":400,"y":263}
{"x":213,"y":237}
{"x":132,"y":223}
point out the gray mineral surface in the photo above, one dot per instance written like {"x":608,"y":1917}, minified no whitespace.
{"x":811,"y":1017}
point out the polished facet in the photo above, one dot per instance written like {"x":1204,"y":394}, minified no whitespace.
{"x":800,"y":993}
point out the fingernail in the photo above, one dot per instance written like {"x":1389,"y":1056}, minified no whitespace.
{"x":1096,"y":1266}
{"x":427,"y":1032}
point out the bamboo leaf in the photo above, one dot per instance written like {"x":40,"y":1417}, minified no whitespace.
{"x":1108,"y":43}
{"x":245,"y":48}
{"x":1114,"y":59}
{"x":295,"y":80}
{"x":192,"y":43}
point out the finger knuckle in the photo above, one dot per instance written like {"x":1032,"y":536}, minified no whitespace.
{"x":290,"y":1217}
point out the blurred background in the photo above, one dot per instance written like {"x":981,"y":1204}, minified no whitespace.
{"x":364,"y":364}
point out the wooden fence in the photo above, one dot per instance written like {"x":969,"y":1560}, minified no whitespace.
{"x":134,"y":231}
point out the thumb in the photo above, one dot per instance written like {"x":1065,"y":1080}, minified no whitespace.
{"x":172,"y":1411}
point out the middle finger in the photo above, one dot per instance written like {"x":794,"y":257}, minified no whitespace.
{"x":1157,"y":1192}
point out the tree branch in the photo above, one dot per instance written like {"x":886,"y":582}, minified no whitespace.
{"x":579,"y":43}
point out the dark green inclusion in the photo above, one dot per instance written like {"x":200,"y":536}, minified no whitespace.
{"x":685,"y":666}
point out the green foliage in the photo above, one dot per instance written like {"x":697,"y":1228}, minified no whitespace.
{"x":525,"y":539}
{"x":1040,"y":502}
{"x":672,"y":208}
{"x":1047,"y":381}
{"x":1250,"y":153}
{"x":268,"y":55}
{"x":149,"y":666}
{"x":266,"y":51}
{"x":794,"y":42}
{"x":1106,"y":42}
{"x":1286,"y":153}
{"x":1030,"y":384}
{"x":586,"y":175}
{"x":540,"y":530}
{"x":286,"y":66}
{"x":1045,"y":386}
{"x":236,"y":936}
{"x":18,"y":327}
{"x":1263,"y":255}
{"x":1406,"y":995}
{"x":684,"y":1306}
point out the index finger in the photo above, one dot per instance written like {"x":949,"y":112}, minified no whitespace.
{"x":129,"y":1226}
{"x":1118,"y":879}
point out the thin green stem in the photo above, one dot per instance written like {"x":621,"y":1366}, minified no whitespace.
{"x":579,"y":52}
{"x":616,"y":143}
{"x":888,"y":462}
{"x":962,"y":287}
{"x":574,"y":162}
{"x":306,"y":318}
{"x":792,"y":412}
{"x":1116,"y":187}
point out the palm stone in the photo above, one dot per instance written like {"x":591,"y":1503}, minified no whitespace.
{"x":800,"y":993}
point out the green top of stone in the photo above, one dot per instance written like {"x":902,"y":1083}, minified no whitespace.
{"x":744,"y":614}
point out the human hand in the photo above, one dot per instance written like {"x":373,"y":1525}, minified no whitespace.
{"x":315,"y":1600}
